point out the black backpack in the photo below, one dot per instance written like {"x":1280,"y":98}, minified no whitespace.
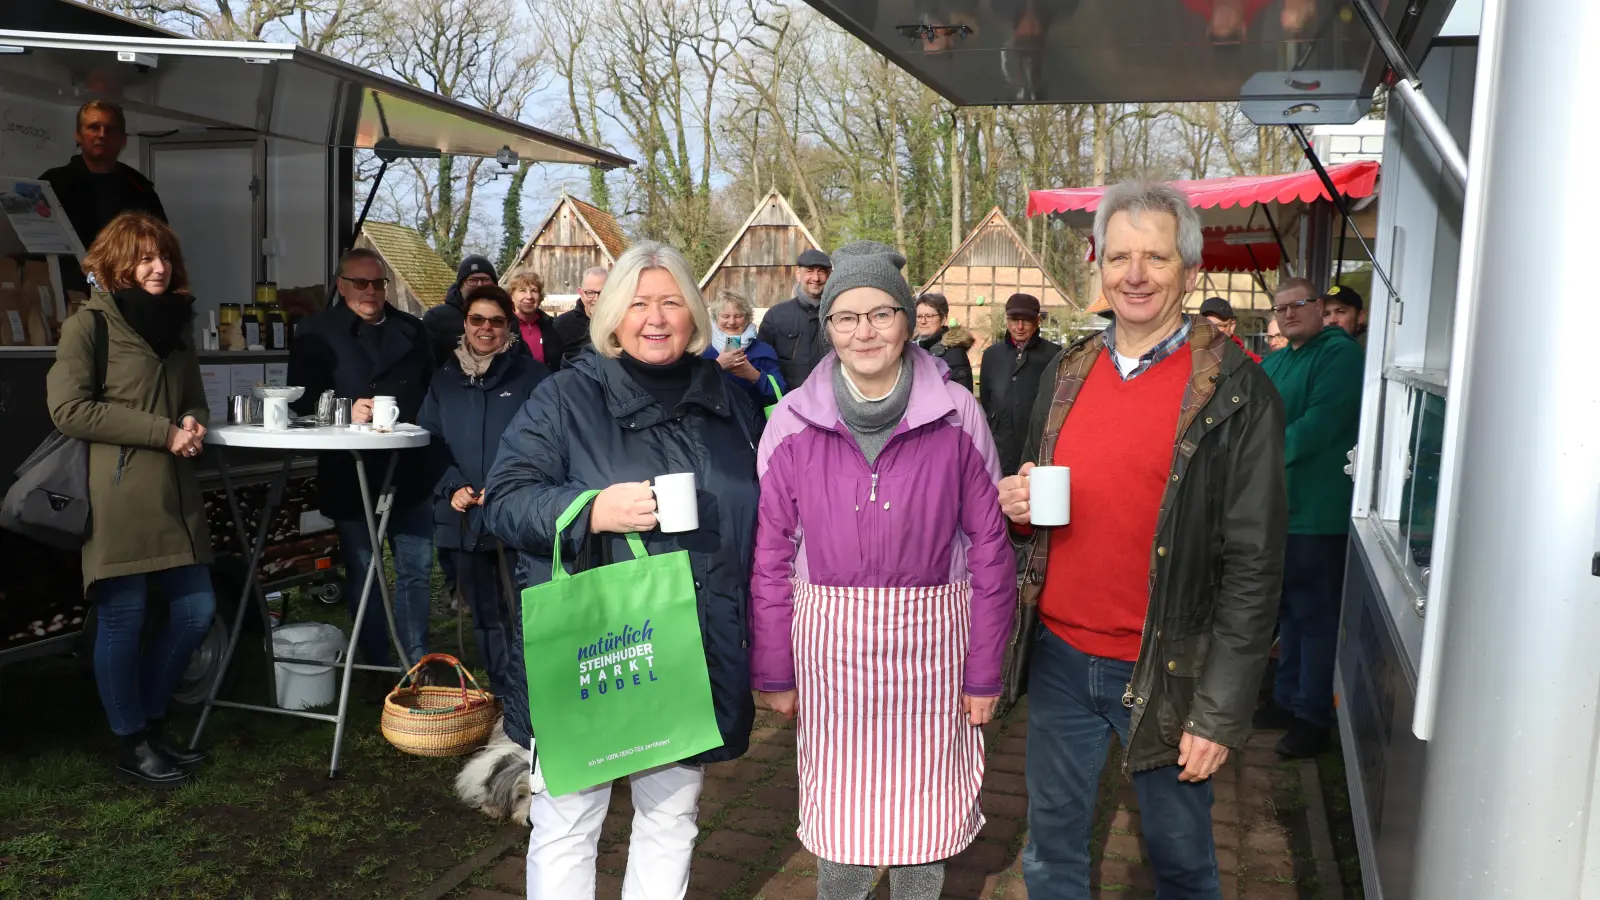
{"x":50,"y":500}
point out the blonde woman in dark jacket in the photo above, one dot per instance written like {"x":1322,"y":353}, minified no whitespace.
{"x":149,"y":520}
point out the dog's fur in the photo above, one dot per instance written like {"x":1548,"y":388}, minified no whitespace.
{"x":495,"y":780}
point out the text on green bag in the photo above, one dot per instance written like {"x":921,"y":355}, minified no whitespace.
{"x":607,"y":665}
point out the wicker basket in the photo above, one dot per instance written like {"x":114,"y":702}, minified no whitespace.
{"x":438,"y":721}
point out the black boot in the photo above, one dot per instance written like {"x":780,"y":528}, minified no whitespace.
{"x":1303,"y":741}
{"x":140,"y":763}
{"x":1272,"y":717}
{"x":180,"y":756}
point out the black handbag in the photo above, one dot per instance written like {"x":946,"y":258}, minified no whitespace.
{"x":1019,"y":649}
{"x":49,"y":502}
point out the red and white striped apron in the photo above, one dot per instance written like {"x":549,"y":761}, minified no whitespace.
{"x":890,"y":769}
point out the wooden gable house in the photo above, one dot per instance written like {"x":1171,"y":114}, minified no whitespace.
{"x":573,"y":238}
{"x":759,"y":262}
{"x":420,"y":279}
{"x":990,"y":265}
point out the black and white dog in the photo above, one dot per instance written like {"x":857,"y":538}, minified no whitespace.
{"x":498,"y":779}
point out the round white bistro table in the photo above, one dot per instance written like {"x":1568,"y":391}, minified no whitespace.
{"x":293,"y":442}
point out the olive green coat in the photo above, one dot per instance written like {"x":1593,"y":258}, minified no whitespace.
{"x":147,"y":511}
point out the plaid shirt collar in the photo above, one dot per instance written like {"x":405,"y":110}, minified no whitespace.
{"x":1168,"y":346}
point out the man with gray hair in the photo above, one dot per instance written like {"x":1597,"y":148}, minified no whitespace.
{"x":572,"y":326}
{"x":1156,"y":602}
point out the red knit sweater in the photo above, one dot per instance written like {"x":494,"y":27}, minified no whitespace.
{"x":1118,"y":440}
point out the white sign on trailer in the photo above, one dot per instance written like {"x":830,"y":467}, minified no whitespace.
{"x":34,"y":136}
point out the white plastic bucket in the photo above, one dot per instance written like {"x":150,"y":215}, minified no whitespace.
{"x":302,"y":686}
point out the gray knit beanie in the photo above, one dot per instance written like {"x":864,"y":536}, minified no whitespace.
{"x":868,"y":264}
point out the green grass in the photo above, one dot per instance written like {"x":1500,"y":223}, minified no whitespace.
{"x":260,"y":820}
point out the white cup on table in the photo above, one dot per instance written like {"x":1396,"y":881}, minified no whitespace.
{"x":275,"y":413}
{"x":1050,"y":496}
{"x":677,"y":508}
{"x":385,"y":414}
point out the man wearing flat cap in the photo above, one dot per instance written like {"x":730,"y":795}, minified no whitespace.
{"x":1009,"y":378}
{"x":792,"y":327}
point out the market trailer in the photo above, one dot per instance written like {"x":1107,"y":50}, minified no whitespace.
{"x":252,"y":148}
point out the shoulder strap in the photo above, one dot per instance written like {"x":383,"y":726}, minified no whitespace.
{"x":102,"y":353}
{"x":777,"y":392}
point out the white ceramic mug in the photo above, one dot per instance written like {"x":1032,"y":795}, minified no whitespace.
{"x":275,"y":413}
{"x":385,"y":413}
{"x":1050,"y":496}
{"x":677,"y":508}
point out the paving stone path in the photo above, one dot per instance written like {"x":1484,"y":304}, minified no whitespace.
{"x":748,"y":813}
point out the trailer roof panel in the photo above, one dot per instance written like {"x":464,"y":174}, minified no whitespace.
{"x":275,"y":89}
{"x":1112,"y":51}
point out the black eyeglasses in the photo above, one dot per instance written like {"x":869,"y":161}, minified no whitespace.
{"x":477,"y":321}
{"x":1282,"y":308}
{"x":362,"y":284}
{"x":881,"y":319}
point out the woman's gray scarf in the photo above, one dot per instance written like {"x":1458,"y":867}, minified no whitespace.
{"x":872,"y":421}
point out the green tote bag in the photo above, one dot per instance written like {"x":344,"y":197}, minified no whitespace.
{"x":616,"y":668}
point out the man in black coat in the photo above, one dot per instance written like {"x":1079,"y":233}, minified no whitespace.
{"x":1009,"y":378}
{"x":364,"y":348}
{"x":448,"y":321}
{"x":572,"y":326}
{"x":93,"y":187}
{"x":792,"y":327}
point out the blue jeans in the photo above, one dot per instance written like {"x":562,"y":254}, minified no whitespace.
{"x":1308,"y":626}
{"x":480,"y":583}
{"x":1074,"y":704}
{"x":134,"y":680}
{"x":411,"y":543}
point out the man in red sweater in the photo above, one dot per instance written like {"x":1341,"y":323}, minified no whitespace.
{"x":1156,"y":603}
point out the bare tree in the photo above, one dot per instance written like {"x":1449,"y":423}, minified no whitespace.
{"x":572,"y":44}
{"x":339,"y":27}
{"x":776,"y":38}
{"x":466,"y":51}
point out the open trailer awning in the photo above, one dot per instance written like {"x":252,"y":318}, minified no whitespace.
{"x":1354,"y":180}
{"x":1235,"y":239}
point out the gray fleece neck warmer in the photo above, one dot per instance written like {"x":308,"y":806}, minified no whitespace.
{"x":872,"y":421}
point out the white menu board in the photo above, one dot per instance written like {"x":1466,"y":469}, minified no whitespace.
{"x":216,"y":380}
{"x":245,"y":377}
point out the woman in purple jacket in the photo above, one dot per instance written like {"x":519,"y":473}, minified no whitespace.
{"x":883,"y":590}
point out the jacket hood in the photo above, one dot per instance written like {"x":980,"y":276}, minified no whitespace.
{"x":815,"y":405}
{"x":506,"y":365}
{"x":627,"y":400}
{"x":957,"y":337}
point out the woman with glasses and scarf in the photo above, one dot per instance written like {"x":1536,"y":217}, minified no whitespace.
{"x":470,"y":402}
{"x":883,"y":590}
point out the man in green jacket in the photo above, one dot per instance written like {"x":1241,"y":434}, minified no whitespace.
{"x":1319,"y":377}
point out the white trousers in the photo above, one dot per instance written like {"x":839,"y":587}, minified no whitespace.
{"x":566,"y":836}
